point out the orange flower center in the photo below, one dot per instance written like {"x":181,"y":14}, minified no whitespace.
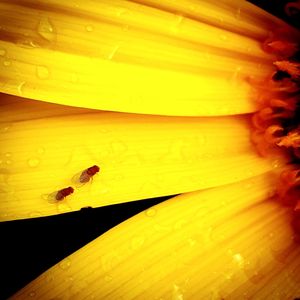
{"x":277,"y":123}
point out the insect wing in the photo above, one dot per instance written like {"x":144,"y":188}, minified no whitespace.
{"x":80,"y":179}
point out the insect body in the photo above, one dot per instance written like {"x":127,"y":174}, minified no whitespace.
{"x":87,"y":174}
{"x":63,"y":193}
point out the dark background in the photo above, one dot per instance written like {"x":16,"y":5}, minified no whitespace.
{"x":30,"y":247}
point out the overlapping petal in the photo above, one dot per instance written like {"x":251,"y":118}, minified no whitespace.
{"x":142,"y":57}
{"x":139,"y":156}
{"x":229,"y":242}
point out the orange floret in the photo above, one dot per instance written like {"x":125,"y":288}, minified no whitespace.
{"x":277,"y":122}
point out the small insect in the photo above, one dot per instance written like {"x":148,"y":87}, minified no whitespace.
{"x":85,"y":176}
{"x":58,"y":196}
{"x":63,"y":193}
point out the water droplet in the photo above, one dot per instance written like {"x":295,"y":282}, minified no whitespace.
{"x":113,"y":52}
{"x":46,"y":29}
{"x":4,"y":128}
{"x":33,"y":162}
{"x":238,"y":13}
{"x":35,"y":214}
{"x":223,"y":37}
{"x":294,"y":274}
{"x":249,"y":173}
{"x":65,"y":264}
{"x":42,"y":72}
{"x":27,"y":44}
{"x":177,"y":293}
{"x":192,"y":242}
{"x":118,"y":147}
{"x":109,"y":261}
{"x":7,"y":154}
{"x":108,"y":278}
{"x":137,"y":242}
{"x":63,"y":207}
{"x":8,"y":162}
{"x":248,"y":185}
{"x":89,"y":28}
{"x":41,"y":150}
{"x":280,"y":248}
{"x":179,"y":224}
{"x":20,"y":88}
{"x":121,"y":12}
{"x":238,"y":259}
{"x":150,"y":212}
{"x":125,"y":27}
{"x":253,"y":271}
{"x":275,"y":164}
{"x":49,"y":277}
{"x":32,"y":294}
{"x":2,"y":52}
{"x":176,"y":25}
{"x":7,"y":63}
{"x":74,"y":78}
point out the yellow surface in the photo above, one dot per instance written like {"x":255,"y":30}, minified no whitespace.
{"x":231,"y":242}
{"x":140,"y":157}
{"x":124,"y":56}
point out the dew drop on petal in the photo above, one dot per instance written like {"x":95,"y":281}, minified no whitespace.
{"x":192,"y":242}
{"x":108,"y":278}
{"x":41,"y":150}
{"x":113,"y":52}
{"x":179,"y":224}
{"x":238,"y":259}
{"x":20,"y":88}
{"x":33,"y":162}
{"x":150,"y":212}
{"x":49,"y":277}
{"x":248,"y":185}
{"x":46,"y":29}
{"x":238,"y":14}
{"x":74,"y":78}
{"x":42,"y":72}
{"x":2,"y":52}
{"x":109,"y":261}
{"x":177,"y":293}
{"x":63,"y":207}
{"x":34,"y":214}
{"x":223,"y":37}
{"x":65,"y":264}
{"x":89,"y":28}
{"x":32,"y":294}
{"x":137,"y":242}
{"x":27,"y":44}
{"x":7,"y":63}
{"x":4,"y":128}
{"x":118,"y":147}
{"x":253,"y":271}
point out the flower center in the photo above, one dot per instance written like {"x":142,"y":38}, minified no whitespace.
{"x":277,"y":123}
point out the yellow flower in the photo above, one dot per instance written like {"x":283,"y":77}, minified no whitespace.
{"x":182,"y":77}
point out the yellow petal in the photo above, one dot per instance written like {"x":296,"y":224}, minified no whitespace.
{"x":139,"y":156}
{"x":131,"y":57}
{"x":13,"y":109}
{"x":231,"y":242}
